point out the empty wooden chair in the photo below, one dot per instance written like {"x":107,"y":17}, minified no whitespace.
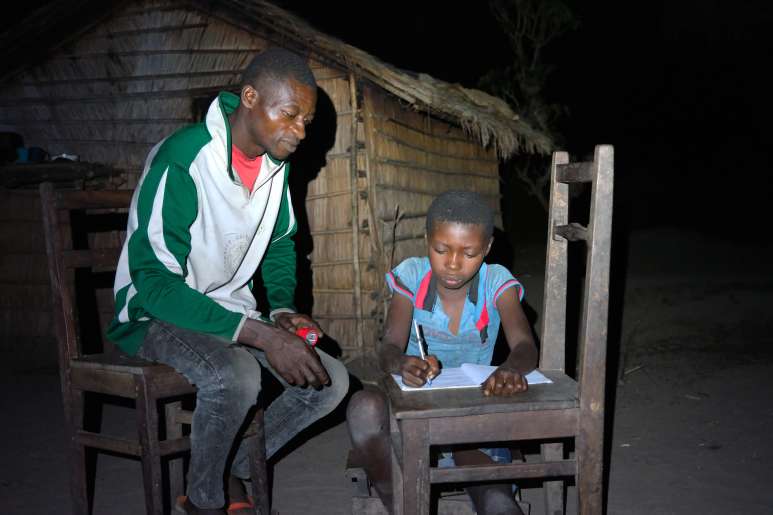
{"x":71,"y":251}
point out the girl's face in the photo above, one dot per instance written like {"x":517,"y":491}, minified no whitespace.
{"x":456,"y":252}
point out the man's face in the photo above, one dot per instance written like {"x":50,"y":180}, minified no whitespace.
{"x":278,"y":116}
{"x":456,"y":252}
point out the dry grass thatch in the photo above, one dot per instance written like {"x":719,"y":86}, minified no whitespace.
{"x":487,"y":118}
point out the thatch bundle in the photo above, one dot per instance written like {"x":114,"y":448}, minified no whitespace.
{"x":489,"y":119}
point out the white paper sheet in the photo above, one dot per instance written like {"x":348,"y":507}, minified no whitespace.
{"x":468,"y":375}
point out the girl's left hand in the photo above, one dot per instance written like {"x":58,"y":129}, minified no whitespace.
{"x":505,"y":381}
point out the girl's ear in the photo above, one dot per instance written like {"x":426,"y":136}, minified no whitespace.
{"x":488,"y":247}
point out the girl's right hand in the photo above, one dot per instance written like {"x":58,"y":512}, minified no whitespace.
{"x":416,"y":371}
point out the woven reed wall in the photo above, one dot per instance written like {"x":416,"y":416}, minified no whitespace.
{"x":26,"y":327}
{"x":414,"y":158}
{"x":329,"y":205}
{"x":27,"y":337}
{"x":407,"y":160}
{"x":125,"y":85}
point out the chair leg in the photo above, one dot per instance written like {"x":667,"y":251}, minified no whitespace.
{"x":79,"y":487}
{"x":147,"y":425}
{"x":174,"y":430}
{"x":415,"y":461}
{"x":258,"y":470}
{"x":397,"y":465}
{"x":590,"y":455}
{"x":554,"y":490}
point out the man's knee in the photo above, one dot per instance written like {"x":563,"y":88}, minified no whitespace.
{"x":339,"y":382}
{"x":338,"y":387}
{"x":236,"y":378}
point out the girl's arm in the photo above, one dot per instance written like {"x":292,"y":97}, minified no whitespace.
{"x":391,"y":352}
{"x":509,"y":376}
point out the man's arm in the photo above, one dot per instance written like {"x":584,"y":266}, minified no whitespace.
{"x":295,"y":361}
{"x":278,"y":268}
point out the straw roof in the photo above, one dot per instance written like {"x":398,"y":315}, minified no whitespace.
{"x":485,"y":117}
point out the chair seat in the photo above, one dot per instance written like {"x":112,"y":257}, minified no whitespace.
{"x":116,"y":374}
{"x":562,"y":394}
{"x":121,"y":363}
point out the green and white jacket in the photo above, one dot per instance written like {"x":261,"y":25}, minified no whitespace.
{"x":196,"y":236}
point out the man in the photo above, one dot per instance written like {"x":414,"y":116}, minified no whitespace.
{"x":211,"y":206}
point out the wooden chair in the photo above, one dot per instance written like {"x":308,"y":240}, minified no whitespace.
{"x":71,"y":251}
{"x":548,"y":413}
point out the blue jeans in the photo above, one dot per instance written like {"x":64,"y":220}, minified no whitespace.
{"x":227,"y":377}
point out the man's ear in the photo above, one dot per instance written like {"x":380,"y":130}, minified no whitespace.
{"x":488,"y":247}
{"x":249,"y":96}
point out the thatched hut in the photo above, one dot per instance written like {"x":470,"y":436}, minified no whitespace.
{"x":384,"y":143}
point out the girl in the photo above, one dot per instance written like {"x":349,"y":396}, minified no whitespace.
{"x":460,"y":302}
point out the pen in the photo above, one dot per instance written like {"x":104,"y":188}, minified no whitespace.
{"x":422,"y":351}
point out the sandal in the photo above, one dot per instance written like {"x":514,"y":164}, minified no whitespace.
{"x":237,"y":489}
{"x":235,"y":506}
{"x":179,"y":505}
{"x":241,"y":505}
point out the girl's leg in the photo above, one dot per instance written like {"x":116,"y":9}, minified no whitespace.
{"x":368,"y":421}
{"x":490,"y":499}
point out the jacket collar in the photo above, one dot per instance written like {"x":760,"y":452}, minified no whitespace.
{"x":219,"y":127}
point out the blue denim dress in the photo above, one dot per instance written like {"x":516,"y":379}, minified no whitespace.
{"x":478,"y":326}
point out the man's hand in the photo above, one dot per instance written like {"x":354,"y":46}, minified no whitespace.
{"x":295,"y":361}
{"x":505,"y":381}
{"x":290,"y":356}
{"x":294,"y":321}
{"x":416,"y":371}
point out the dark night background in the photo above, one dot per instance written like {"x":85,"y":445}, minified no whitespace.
{"x":676,"y":87}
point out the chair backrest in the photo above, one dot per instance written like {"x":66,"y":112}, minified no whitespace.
{"x":83,"y":233}
{"x":597,"y":235}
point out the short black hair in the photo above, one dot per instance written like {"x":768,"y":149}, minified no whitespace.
{"x":463,"y":207}
{"x":277,"y":63}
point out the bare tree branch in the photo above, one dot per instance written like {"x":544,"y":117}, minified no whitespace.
{"x":530,"y":26}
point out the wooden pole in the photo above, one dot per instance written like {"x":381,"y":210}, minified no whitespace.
{"x":371,"y":176}
{"x":357,"y":297}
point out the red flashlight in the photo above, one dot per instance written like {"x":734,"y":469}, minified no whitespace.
{"x":308,"y":334}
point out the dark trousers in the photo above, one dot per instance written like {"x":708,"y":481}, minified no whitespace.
{"x":227,"y":377}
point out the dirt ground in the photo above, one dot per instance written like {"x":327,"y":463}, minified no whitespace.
{"x":690,"y":422}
